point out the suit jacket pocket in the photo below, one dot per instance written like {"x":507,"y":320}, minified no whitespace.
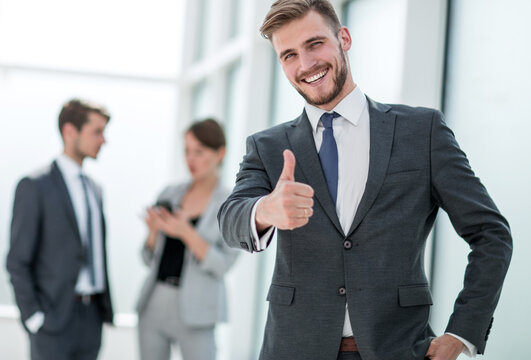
{"x":401,"y":176}
{"x":414,"y":295}
{"x":280,"y":294}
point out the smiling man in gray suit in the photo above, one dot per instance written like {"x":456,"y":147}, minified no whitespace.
{"x":352,"y":188}
{"x":57,"y":259}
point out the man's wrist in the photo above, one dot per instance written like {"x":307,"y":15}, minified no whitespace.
{"x":469,"y":349}
{"x":261,"y":225}
{"x":260,"y":242}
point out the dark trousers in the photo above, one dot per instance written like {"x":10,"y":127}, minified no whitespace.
{"x":349,"y":356}
{"x":79,"y":340}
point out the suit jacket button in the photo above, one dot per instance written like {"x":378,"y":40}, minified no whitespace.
{"x":342,"y":291}
{"x":347,"y":244}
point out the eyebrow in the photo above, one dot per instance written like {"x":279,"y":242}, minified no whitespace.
{"x":309,"y":41}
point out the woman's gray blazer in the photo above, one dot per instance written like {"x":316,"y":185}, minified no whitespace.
{"x":202,"y":288}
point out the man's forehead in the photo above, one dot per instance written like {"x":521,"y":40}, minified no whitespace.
{"x":95,"y":118}
{"x":298,"y":31}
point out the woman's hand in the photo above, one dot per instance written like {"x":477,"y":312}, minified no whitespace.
{"x":177,"y":224}
{"x":174,"y":224}
{"x":152,"y":220}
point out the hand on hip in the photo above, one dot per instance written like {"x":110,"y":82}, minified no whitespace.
{"x":445,"y":347}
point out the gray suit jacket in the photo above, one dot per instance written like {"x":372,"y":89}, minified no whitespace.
{"x":415,"y":168}
{"x":46,"y":252}
{"x":202,"y":288}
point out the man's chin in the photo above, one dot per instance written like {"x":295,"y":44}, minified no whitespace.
{"x":317,"y":101}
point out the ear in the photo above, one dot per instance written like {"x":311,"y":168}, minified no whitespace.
{"x":68,"y":131}
{"x":221,"y":154}
{"x":344,"y":38}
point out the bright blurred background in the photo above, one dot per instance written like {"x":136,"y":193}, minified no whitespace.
{"x":161,"y":64}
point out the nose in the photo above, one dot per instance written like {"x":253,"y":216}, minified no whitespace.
{"x":306,"y":61}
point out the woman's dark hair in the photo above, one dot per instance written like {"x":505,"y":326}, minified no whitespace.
{"x":209,"y":133}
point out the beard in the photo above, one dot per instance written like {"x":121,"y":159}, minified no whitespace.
{"x":340,"y":77}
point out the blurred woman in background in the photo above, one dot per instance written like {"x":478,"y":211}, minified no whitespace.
{"x":184,"y":295}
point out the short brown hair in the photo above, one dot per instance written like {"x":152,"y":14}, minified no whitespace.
{"x":75,"y":112}
{"x":209,"y":133}
{"x":284,"y":11}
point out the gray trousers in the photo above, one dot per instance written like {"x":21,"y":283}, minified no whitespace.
{"x":79,"y":340}
{"x":160,"y":326}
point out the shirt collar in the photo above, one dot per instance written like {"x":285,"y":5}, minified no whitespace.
{"x":68,"y":167}
{"x":350,"y":108}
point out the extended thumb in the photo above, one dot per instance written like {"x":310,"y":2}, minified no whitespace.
{"x":288,"y":172}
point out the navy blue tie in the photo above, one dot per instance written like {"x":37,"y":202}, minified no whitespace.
{"x":89,"y":256}
{"x":328,"y":154}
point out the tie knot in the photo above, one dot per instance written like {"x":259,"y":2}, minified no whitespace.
{"x":327,"y":118}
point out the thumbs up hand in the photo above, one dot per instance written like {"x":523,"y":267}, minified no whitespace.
{"x":289,"y":205}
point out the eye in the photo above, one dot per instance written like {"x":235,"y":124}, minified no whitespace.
{"x":289,"y":56}
{"x":316,"y":43}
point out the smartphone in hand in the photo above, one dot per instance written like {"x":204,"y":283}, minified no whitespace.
{"x":164,"y":204}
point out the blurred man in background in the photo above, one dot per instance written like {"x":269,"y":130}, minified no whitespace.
{"x":57,"y":257}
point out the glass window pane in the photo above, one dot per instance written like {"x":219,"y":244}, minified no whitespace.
{"x":233,"y":120}
{"x":203,"y":100}
{"x":487,"y":96}
{"x":377,"y":28}
{"x":85,"y":35}
{"x":236,"y":23}
{"x":206,"y":28}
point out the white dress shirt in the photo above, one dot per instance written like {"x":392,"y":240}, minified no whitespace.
{"x":71,"y":172}
{"x":352,"y":135}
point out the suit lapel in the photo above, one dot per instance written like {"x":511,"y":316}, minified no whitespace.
{"x":382,"y":127}
{"x":64,"y":197}
{"x":301,"y":141}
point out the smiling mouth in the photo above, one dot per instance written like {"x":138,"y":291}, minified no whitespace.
{"x":316,"y":77}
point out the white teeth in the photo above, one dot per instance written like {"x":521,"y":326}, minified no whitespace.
{"x":315,"y":77}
